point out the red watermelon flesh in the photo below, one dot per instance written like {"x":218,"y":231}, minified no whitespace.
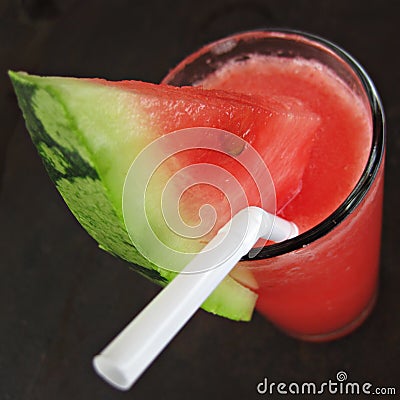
{"x":281,"y":129}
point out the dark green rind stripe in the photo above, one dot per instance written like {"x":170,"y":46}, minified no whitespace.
{"x":75,"y":176}
{"x":60,"y":162}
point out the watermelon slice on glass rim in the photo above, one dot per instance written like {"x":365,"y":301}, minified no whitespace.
{"x":89,"y":131}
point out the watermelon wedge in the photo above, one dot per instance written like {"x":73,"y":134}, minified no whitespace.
{"x":89,"y":131}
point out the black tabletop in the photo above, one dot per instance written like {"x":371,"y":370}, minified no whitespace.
{"x":62,"y":299}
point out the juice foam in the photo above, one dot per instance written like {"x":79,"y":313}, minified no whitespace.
{"x":342,"y":142}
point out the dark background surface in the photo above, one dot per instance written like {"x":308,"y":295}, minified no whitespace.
{"x":62,"y":299}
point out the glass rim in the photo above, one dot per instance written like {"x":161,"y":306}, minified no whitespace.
{"x":375,"y":157}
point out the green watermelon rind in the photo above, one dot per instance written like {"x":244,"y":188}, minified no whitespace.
{"x":72,"y":168}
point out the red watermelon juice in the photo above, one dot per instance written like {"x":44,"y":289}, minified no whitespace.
{"x":322,"y":284}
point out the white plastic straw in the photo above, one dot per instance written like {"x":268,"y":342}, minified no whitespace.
{"x":133,"y":350}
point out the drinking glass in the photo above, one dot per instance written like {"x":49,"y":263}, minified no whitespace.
{"x":322,"y":284}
